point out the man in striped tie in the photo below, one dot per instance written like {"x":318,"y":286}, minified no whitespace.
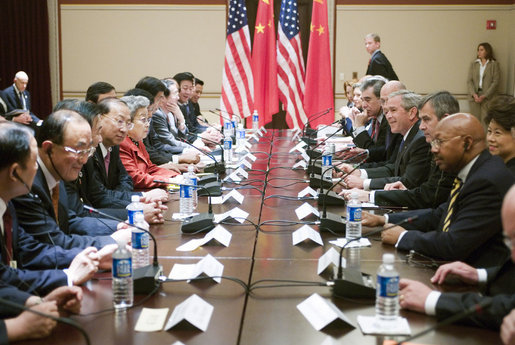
{"x":468,"y":226}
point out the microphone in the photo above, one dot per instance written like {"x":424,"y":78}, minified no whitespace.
{"x":146,"y":278}
{"x":65,"y":320}
{"x":473,"y":309}
{"x":352,"y":283}
{"x":210,"y":125}
{"x":332,"y":222}
{"x":201,"y":222}
{"x":313,"y":117}
{"x":314,"y":168}
{"x":228,"y":113}
{"x":216,"y":168}
{"x":313,"y":153}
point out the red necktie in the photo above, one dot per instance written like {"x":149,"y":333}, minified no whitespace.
{"x":375,"y":129}
{"x":107,"y":159}
{"x":8,"y":237}
{"x":55,"y":201}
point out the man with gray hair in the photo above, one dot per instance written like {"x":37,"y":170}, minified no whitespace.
{"x":411,"y":165}
{"x":378,"y":63}
{"x":16,"y":96}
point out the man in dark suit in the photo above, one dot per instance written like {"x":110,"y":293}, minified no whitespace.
{"x":16,"y":96}
{"x":3,"y":105}
{"x":436,"y":189}
{"x":498,"y":283}
{"x":412,"y":161}
{"x":64,"y":145}
{"x":468,"y":226}
{"x":186,"y":82}
{"x":378,"y":64}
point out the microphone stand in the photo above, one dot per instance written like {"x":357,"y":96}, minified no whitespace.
{"x":146,"y":278}
{"x":352,"y":285}
{"x":312,"y":117}
{"x":216,"y":168}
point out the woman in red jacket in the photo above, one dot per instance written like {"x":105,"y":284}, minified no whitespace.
{"x":133,"y":153}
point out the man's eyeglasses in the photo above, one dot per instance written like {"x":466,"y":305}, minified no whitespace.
{"x":80,"y":153}
{"x":121,"y":124}
{"x":436,"y":143}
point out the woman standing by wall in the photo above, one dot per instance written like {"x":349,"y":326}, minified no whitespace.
{"x":483,"y":80}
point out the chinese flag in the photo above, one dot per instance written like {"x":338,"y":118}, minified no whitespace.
{"x":264,"y":64}
{"x":319,"y":85}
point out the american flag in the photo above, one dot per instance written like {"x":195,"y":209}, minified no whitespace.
{"x":290,"y":65}
{"x":237,"y":81}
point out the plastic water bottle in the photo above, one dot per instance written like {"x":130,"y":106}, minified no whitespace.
{"x":228,"y":130}
{"x":255,"y":120}
{"x":134,"y":207}
{"x":240,"y":136}
{"x":140,"y":239}
{"x":193,"y":181}
{"x":122,"y":277}
{"x":228,"y":148}
{"x":186,"y":196}
{"x":327,"y":164}
{"x":387,"y":293}
{"x":353,"y":229}
{"x":234,"y":124}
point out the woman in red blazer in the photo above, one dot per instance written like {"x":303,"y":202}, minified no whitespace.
{"x":133,"y":153}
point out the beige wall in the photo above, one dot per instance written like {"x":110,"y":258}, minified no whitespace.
{"x":430,"y":47}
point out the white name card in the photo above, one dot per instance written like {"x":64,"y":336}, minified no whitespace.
{"x":306,"y":233}
{"x":322,"y":313}
{"x":193,"y":311}
{"x":208,"y":266}
{"x":307,"y":191}
{"x":218,"y":236}
{"x":305,"y":210}
{"x":362,"y":242}
{"x":331,"y":257}
{"x":151,"y":319}
{"x":236,"y":213}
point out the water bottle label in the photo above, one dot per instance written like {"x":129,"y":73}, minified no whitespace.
{"x":255,"y":118}
{"x":241,"y":134}
{"x":185,"y":192}
{"x":132,"y":215}
{"x":122,"y":268}
{"x":354,"y":213}
{"x":193,"y":182}
{"x":388,"y":286}
{"x":327,"y":160}
{"x":227,"y":144}
{"x":228,"y":125}
{"x":139,"y":240}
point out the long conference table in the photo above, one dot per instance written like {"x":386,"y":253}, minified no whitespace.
{"x":266,"y":315}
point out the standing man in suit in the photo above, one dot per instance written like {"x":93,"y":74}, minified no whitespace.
{"x":436,"y":189}
{"x":498,"y":284}
{"x":378,"y":63}
{"x":16,"y":96}
{"x":468,"y":226}
{"x":412,"y":161}
{"x":64,"y":146}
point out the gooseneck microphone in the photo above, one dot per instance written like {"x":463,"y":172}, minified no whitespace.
{"x":200,"y":223}
{"x":314,"y":117}
{"x":473,"y":309}
{"x":351,"y":284}
{"x":146,"y":278}
{"x":64,"y":320}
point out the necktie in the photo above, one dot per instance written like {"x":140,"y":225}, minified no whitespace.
{"x":22,"y":101}
{"x":8,"y":238}
{"x":55,"y":201}
{"x":107,"y":160}
{"x":454,"y":195}
{"x":375,"y":129}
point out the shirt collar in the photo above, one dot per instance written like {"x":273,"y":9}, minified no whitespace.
{"x":3,"y":208}
{"x":104,"y":150}
{"x":464,"y":172}
{"x":17,"y":91}
{"x":380,"y":117}
{"x":407,"y":133}
{"x":50,"y":180}
{"x":377,"y":51}
{"x":479,"y":60}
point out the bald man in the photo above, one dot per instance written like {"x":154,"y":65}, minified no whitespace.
{"x":468,"y":226}
{"x":16,"y":96}
{"x":499,"y":282}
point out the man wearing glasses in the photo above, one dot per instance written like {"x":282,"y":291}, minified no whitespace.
{"x":64,"y":146}
{"x":468,"y":226}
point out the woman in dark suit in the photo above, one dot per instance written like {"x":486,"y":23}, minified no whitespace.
{"x":483,"y":80}
{"x":500,"y":118}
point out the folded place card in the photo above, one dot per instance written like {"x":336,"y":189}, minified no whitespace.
{"x":242,"y":172}
{"x":305,"y":210}
{"x":247,"y":144}
{"x":180,"y":216}
{"x":254,"y":136}
{"x":234,"y":177}
{"x":219,"y":235}
{"x":304,"y":233}
{"x":250,"y":156}
{"x":236,"y":213}
{"x":302,"y":163}
{"x":264,"y":129}
{"x":307,"y":191}
{"x":245,"y":162}
{"x":331,"y":257}
{"x":193,"y":311}
{"x":216,"y":200}
{"x":373,"y":325}
{"x":151,"y":319}
{"x":300,"y":146}
{"x":362,"y":242}
{"x":322,"y":313}
{"x":207,"y":266}
{"x":241,"y":149}
{"x":305,"y":156}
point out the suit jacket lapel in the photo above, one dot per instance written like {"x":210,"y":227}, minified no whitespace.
{"x":413,"y":132}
